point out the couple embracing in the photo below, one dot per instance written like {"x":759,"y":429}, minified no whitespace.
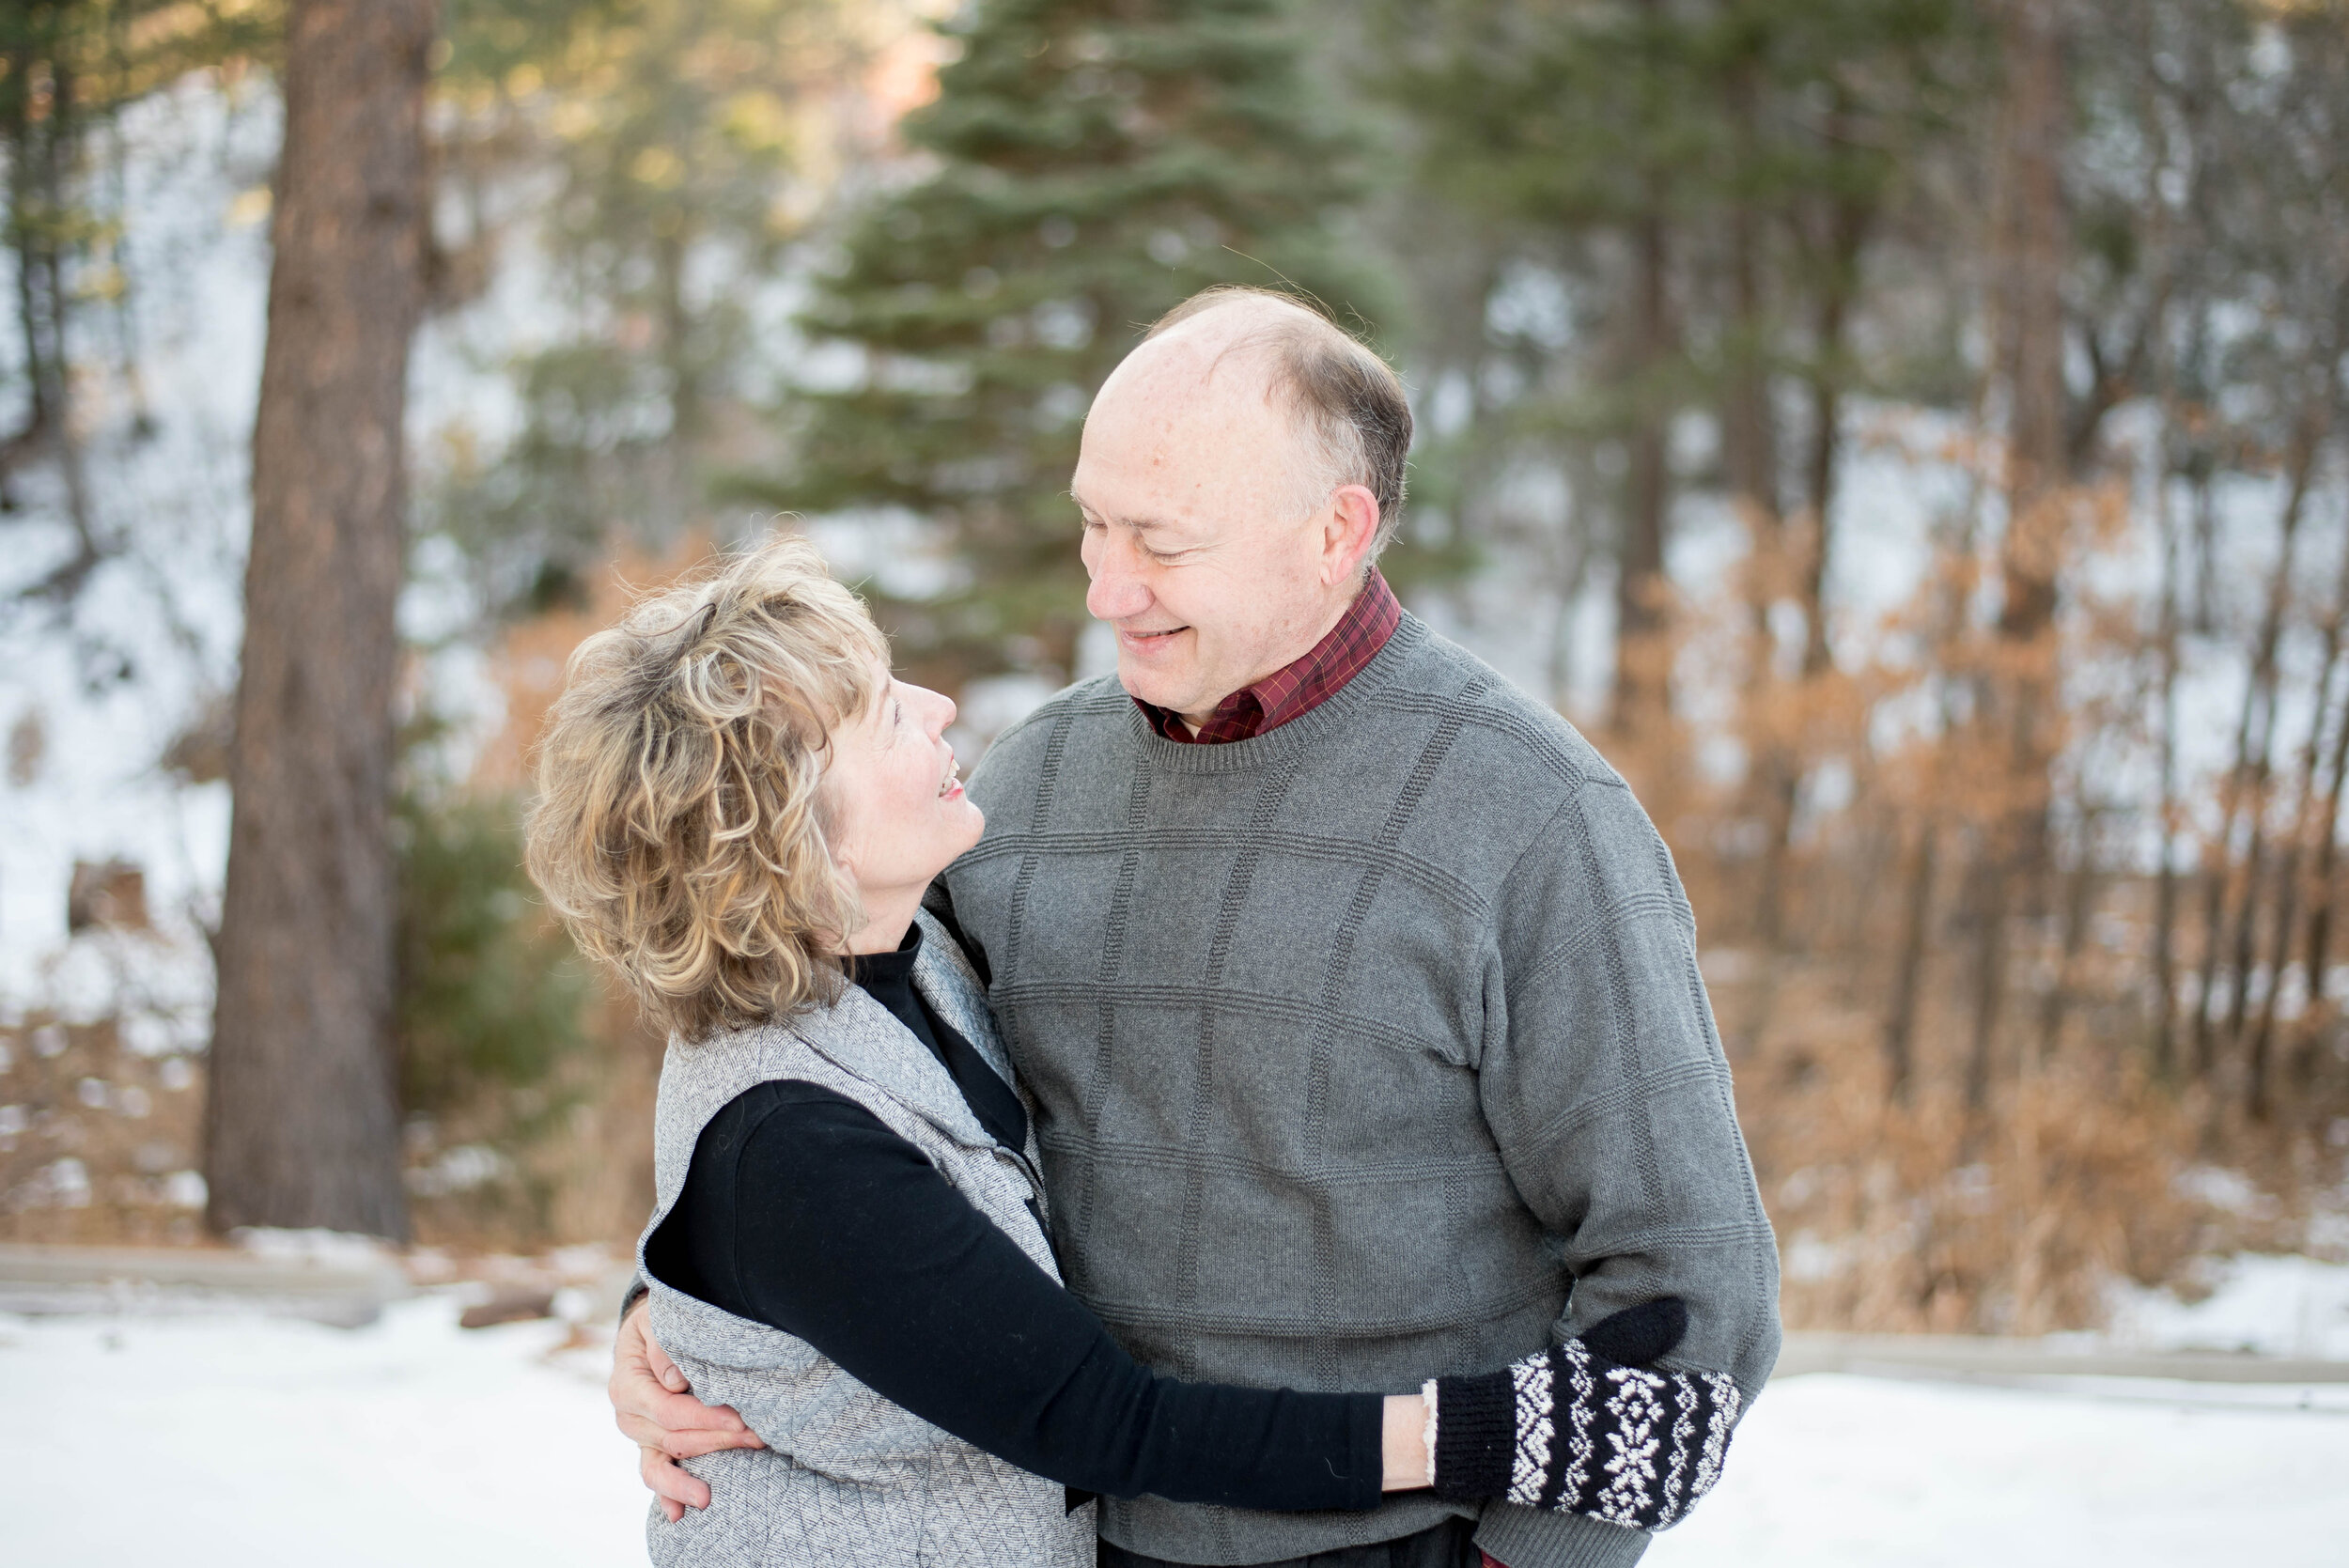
{"x":1272,"y":1116}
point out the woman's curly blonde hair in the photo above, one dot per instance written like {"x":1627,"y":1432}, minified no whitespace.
{"x":679,"y":825}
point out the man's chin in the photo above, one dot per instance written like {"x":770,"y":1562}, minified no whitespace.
{"x":1152,"y":687}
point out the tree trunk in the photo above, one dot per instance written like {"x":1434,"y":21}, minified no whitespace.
{"x":2245,"y":796}
{"x":1849,"y":221}
{"x":1750,"y":464}
{"x":1813,"y":535}
{"x":2321,"y":884}
{"x":41,"y":150}
{"x":2166,"y":877}
{"x":302,"y":1127}
{"x":2257,"y":1049}
{"x":1899,"y":1029}
{"x":1641,"y":656}
{"x":2031,"y":245}
{"x":1749,"y":434}
{"x":2079,"y":904}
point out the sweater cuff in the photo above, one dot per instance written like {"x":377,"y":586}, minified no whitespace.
{"x":1536,"y":1537}
{"x":637,"y":1291}
{"x":1475,"y":1436}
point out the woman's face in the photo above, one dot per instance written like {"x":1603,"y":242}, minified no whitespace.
{"x":899,"y":816}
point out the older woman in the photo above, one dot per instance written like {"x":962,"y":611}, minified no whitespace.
{"x":739,"y":813}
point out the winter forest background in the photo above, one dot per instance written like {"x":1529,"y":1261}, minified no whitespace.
{"x":1908,"y":435}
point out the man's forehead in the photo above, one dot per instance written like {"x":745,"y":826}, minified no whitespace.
{"x":1161,"y":424}
{"x":1204,"y":369}
{"x":1141,"y":520}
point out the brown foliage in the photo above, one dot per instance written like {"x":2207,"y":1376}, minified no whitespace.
{"x":92,"y":1135}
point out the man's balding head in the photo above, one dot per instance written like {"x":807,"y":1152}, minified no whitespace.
{"x":1352,"y":418}
{"x":1239,"y":473}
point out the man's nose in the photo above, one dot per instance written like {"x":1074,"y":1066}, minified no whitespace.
{"x":1117,"y":591}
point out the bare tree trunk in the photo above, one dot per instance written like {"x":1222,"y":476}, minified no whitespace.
{"x":2031,"y":245}
{"x":1749,"y":433}
{"x":1987,"y":900}
{"x":42,"y":146}
{"x":2079,"y":904}
{"x":2165,"y":877}
{"x":1848,"y":222}
{"x":1749,"y":462}
{"x":1899,"y":1029}
{"x":2245,"y":796}
{"x":1641,"y":676}
{"x":302,"y":1125}
{"x":2321,"y":881}
{"x":2256,"y":1051}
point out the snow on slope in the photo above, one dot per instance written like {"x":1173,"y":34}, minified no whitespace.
{"x":245,"y":1443}
{"x":2266,"y":1305}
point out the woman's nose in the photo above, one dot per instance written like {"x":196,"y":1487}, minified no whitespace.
{"x":938,"y":710}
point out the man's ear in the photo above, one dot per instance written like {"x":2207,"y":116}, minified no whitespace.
{"x":1351,"y":524}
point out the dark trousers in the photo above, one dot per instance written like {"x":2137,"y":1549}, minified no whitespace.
{"x":1450,"y":1544}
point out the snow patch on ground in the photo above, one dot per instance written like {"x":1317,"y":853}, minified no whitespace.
{"x":2267,"y":1306}
{"x":254,"y":1443}
{"x":250,"y":1443}
{"x":1830,"y":1471}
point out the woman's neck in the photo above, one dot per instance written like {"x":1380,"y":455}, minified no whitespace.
{"x":887,"y":917}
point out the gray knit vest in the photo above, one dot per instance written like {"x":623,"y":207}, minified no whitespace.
{"x":1353,"y":1046}
{"x":848,"y":1479}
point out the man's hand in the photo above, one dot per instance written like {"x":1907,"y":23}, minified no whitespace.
{"x":653,"y":1406}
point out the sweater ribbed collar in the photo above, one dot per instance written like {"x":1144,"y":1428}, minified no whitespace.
{"x":1335,"y":713}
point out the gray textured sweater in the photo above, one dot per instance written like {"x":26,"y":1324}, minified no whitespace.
{"x":1369,"y":1049}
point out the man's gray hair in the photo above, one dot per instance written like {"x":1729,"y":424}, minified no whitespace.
{"x":1348,"y":401}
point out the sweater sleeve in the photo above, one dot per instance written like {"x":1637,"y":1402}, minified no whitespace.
{"x":1603,"y":1080}
{"x":843,"y":1233}
{"x":1609,"y":1097}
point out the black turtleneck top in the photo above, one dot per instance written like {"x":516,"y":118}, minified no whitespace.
{"x":802,"y":1211}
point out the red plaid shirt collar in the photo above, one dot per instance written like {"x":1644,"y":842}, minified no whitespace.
{"x":1297,"y":687}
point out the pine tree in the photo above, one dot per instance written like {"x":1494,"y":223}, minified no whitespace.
{"x":302,"y":1122}
{"x":1096,"y":162}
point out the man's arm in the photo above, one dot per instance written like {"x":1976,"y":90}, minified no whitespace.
{"x":1603,"y":1080}
{"x":653,"y":1405}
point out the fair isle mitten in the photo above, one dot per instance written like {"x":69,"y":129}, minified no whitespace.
{"x":1576,"y":1430}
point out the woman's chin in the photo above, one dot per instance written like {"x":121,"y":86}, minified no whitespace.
{"x":967,"y":822}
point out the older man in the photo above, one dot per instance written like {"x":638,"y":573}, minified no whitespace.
{"x":1357,"y":997}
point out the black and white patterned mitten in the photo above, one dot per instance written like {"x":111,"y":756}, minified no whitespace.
{"x":1580,"y":1428}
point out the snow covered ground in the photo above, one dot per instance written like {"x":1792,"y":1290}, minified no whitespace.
{"x":133,"y":1442}
{"x":255,"y":1443}
{"x":1852,"y":1473}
